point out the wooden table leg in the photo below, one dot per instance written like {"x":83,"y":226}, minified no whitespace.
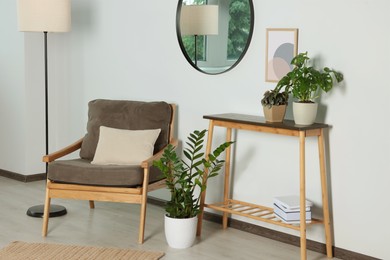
{"x":203,"y":195}
{"x":227,"y":177}
{"x":302,"y":194}
{"x":325,"y":203}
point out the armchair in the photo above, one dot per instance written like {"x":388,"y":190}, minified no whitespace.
{"x":98,"y":174}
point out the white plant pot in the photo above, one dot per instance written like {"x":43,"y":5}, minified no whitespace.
{"x":304,"y":113}
{"x":180,"y":232}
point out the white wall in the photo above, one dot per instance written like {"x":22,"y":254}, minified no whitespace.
{"x":22,"y":132}
{"x":123,"y":49}
{"x":12,"y":91}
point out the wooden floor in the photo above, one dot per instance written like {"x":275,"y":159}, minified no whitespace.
{"x":116,"y":225}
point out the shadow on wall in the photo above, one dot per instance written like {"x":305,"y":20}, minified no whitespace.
{"x":83,"y":18}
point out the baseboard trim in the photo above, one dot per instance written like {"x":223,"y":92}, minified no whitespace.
{"x":276,"y":235}
{"x":22,"y":177}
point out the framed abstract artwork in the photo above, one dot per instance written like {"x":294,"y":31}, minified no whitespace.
{"x":282,"y":47}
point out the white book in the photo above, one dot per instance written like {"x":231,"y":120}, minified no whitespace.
{"x":292,"y":221}
{"x":290,"y":216}
{"x":291,"y":210}
{"x":291,"y":202}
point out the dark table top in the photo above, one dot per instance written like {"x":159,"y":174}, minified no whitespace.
{"x":260,"y":121}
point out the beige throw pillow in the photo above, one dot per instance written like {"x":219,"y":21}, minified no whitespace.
{"x":124,"y":147}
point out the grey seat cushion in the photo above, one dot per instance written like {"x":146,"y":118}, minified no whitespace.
{"x":81,"y":171}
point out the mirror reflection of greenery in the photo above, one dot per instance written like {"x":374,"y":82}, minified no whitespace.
{"x":239,"y":28}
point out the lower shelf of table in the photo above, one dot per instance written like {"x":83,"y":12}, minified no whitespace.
{"x":257,"y":212}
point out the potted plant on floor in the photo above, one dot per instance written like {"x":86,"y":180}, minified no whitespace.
{"x":305,"y":82}
{"x":186,"y":180}
{"x":274,"y":105}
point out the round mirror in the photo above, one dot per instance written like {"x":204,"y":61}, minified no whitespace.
{"x":214,"y":35}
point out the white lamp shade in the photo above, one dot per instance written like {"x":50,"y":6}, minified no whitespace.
{"x":44,"y":15}
{"x":199,"y":20}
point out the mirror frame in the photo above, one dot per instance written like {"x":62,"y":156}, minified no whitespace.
{"x":178,"y":33}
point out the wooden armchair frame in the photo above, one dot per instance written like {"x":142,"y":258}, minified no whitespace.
{"x":137,"y":195}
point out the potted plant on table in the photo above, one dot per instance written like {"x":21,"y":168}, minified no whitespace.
{"x":186,"y":179}
{"x":305,"y":82}
{"x":274,"y":105}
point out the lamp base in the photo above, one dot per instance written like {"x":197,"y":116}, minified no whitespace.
{"x":55,"y":211}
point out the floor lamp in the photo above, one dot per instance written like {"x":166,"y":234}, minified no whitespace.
{"x":198,"y":20}
{"x":44,"y":16}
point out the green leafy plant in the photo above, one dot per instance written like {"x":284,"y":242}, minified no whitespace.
{"x":305,"y":81}
{"x":184,"y":176}
{"x":274,"y":98}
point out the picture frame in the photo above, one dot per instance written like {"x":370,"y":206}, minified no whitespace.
{"x":282,"y":47}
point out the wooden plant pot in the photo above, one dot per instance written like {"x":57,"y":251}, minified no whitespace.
{"x":304,"y":113}
{"x":275,"y":113}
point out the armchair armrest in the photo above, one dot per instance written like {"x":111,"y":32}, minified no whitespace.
{"x":65,"y":151}
{"x":149,"y":162}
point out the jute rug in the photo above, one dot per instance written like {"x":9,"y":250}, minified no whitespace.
{"x":41,"y":251}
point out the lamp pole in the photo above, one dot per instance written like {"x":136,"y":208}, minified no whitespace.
{"x":55,"y":210}
{"x":46,"y":99}
{"x":196,"y":50}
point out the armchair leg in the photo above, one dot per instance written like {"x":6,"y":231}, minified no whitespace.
{"x":143,"y":206}
{"x":91,"y":204}
{"x":142,"y":223}
{"x":46,"y":213}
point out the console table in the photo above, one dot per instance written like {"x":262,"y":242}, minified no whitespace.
{"x":258,"y":212}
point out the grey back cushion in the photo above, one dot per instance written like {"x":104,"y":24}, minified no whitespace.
{"x":123,"y":114}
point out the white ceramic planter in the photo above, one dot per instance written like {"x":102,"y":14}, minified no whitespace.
{"x":180,"y":232}
{"x":304,"y":113}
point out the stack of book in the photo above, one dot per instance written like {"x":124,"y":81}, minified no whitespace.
{"x":287,"y":208}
